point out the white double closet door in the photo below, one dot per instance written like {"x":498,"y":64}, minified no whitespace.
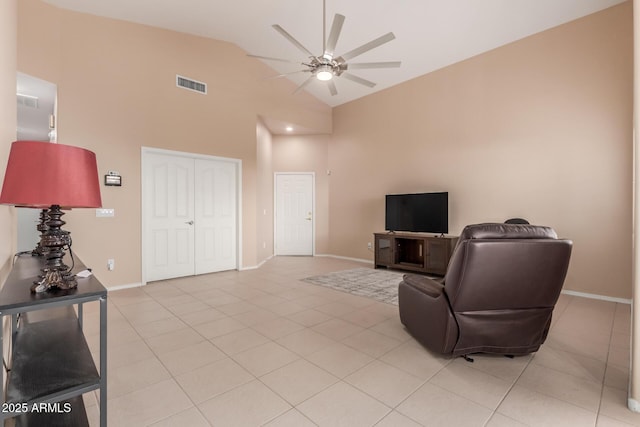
{"x":190,"y":221}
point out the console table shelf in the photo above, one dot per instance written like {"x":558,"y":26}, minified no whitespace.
{"x":417,"y":252}
{"x":50,"y":364}
{"x":63,"y":363}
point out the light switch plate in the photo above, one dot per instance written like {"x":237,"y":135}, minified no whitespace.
{"x":104,"y":213}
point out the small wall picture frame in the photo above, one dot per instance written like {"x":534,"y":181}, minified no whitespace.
{"x":113,"y":179}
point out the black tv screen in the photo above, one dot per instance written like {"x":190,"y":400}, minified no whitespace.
{"x":423,"y":212}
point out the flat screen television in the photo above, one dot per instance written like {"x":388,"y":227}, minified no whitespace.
{"x":423,"y":212}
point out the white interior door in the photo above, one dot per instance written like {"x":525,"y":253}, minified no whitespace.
{"x":294,"y":213}
{"x":169,"y":216}
{"x":190,"y":220}
{"x":215,"y":215}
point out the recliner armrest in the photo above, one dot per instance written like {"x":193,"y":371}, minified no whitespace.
{"x":424,"y":284}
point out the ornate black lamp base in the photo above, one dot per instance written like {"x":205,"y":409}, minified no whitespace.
{"x":54,"y":239}
{"x":42,"y":228}
{"x":54,"y":279}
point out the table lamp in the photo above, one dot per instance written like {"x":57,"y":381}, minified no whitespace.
{"x":52,"y":176}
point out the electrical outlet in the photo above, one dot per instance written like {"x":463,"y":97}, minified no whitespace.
{"x":111,"y":264}
{"x":369,"y":246}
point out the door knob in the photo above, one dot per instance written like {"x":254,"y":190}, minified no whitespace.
{"x":189,"y":222}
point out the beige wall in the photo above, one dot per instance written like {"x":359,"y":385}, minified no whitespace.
{"x":540,"y":129}
{"x":8,"y":123}
{"x":117,"y":93}
{"x":308,"y":153}
{"x":264,"y":213}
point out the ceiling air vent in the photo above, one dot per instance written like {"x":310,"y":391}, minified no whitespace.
{"x":190,"y":84}
{"x":27,"y":100}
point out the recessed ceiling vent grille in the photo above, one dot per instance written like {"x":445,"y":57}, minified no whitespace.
{"x":27,"y":100}
{"x":191,"y":84}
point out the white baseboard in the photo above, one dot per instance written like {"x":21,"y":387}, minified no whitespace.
{"x":633,"y":405}
{"x":125,"y":286}
{"x":367,"y":261}
{"x":596,"y":296}
{"x":255,"y":267}
{"x":567,"y":292}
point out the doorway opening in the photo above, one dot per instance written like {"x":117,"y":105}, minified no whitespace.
{"x":36,"y":109}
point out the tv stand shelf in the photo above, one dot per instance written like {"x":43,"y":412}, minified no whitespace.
{"x":419,"y":252}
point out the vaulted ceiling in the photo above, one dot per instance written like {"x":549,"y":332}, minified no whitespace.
{"x":430,"y":34}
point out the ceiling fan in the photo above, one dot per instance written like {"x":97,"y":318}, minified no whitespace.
{"x":327,"y":66}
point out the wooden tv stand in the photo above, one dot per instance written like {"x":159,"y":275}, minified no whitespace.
{"x":419,"y":252}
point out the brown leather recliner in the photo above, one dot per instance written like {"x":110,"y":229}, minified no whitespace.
{"x":497,"y":296}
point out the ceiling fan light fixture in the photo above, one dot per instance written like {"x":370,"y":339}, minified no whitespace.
{"x":327,"y":65}
{"x":324,"y":73}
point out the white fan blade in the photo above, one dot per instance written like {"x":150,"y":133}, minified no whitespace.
{"x":273,"y":59}
{"x":332,"y":88}
{"x":363,"y":65}
{"x":287,"y":74}
{"x":368,"y":46}
{"x":332,"y":40}
{"x":357,"y":79}
{"x":289,"y":37}
{"x":304,"y":83}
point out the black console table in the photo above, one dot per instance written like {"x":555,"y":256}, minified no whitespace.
{"x":50,"y":365}
{"x":417,"y":252}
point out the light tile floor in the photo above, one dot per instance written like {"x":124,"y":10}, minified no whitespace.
{"x":261,"y":347}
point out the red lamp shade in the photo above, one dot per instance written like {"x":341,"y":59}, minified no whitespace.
{"x":41,"y":174}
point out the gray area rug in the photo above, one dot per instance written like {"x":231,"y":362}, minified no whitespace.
{"x":380,"y":285}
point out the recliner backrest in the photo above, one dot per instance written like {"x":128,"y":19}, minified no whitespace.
{"x":504,"y":266}
{"x":506,"y":231}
